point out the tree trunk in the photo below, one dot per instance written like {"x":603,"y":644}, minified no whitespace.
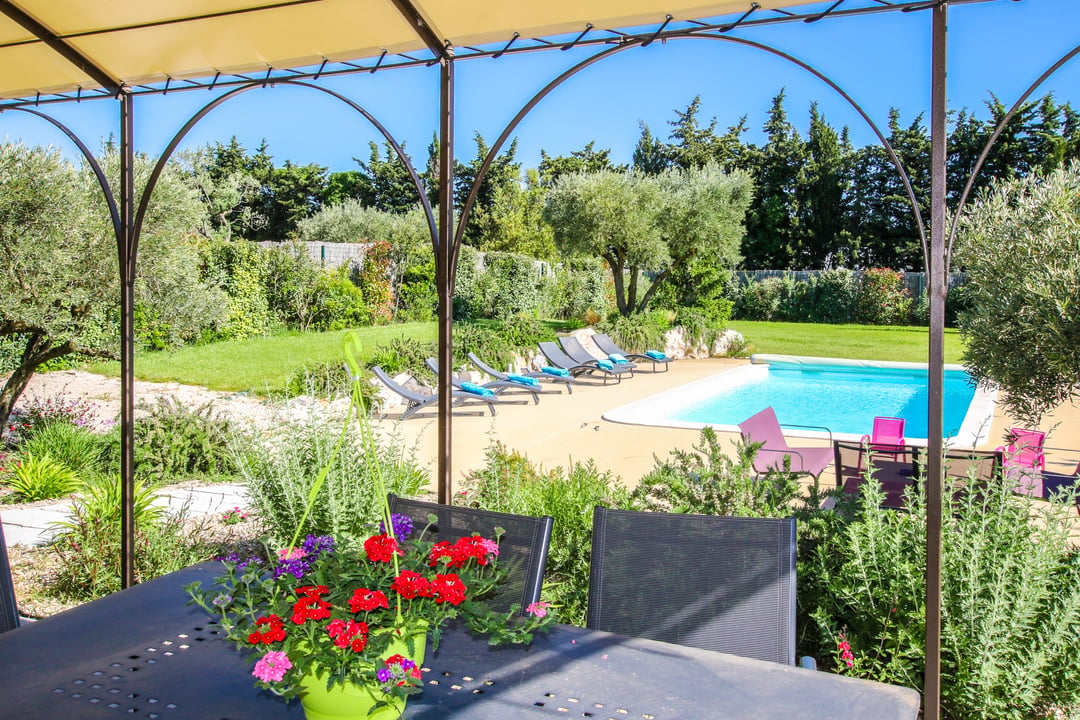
{"x":631,"y":294}
{"x":617,"y":276}
{"x":38,"y":350}
{"x":652,"y":290}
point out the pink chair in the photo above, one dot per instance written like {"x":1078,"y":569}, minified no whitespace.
{"x":1024,"y":460}
{"x":887,"y":439}
{"x":765,"y":428}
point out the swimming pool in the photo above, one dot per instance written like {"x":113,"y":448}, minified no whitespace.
{"x":842,"y":395}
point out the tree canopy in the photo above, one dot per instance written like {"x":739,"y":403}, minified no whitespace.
{"x":639,"y":223}
{"x":1020,"y":247}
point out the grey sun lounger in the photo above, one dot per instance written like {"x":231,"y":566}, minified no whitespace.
{"x":560,"y":359}
{"x":566,"y":380}
{"x":499,"y":387}
{"x":607,"y":345}
{"x":577,"y":352}
{"x":417,"y":401}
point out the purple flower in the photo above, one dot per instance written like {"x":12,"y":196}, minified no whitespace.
{"x":401,"y":524}
{"x":315,"y":545}
{"x":384,"y":675}
{"x":222,"y":600}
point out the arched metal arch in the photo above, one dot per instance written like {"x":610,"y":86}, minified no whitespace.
{"x":159,"y":167}
{"x":1000,"y":128}
{"x":641,"y":42}
{"x":103,"y":181}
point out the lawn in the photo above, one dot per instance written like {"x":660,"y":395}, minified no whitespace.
{"x":264,"y":364}
{"x":858,"y":342}
{"x":258,"y":364}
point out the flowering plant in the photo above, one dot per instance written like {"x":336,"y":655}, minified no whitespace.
{"x":338,"y":609}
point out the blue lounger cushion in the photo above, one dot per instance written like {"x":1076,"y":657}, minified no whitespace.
{"x":606,"y":364}
{"x":618,"y":359}
{"x":475,"y":389}
{"x":656,"y":355}
{"x":555,"y":371}
{"x":522,"y":380}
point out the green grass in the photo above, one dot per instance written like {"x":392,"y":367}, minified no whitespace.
{"x":262,"y":365}
{"x":858,"y":342}
{"x":258,"y":365}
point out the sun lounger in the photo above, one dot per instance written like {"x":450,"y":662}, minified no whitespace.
{"x":415,"y":402}
{"x":566,"y":380}
{"x":499,"y":387}
{"x":561,"y":361}
{"x":577,"y":352}
{"x":607,"y":345}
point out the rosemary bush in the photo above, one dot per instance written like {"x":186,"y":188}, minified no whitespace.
{"x":281,"y":474}
{"x":510,"y":483}
{"x":1010,"y":598}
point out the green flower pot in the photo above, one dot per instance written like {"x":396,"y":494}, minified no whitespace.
{"x":357,"y":702}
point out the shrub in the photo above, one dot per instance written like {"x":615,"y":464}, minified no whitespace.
{"x":883,"y":298}
{"x":486,"y":342}
{"x":508,"y":482}
{"x":280,"y":477}
{"x":340,"y":304}
{"x":175,"y":442}
{"x":830,"y":297}
{"x":88,"y":545}
{"x":759,"y":301}
{"x":510,"y":286}
{"x":326,"y":379}
{"x":405,"y":354}
{"x":237,"y":268}
{"x":374,"y":282}
{"x":38,"y":477}
{"x":706,"y":481}
{"x":77,"y":448}
{"x":1010,"y":597}
{"x":36,"y":413}
{"x":578,"y":289}
{"x":638,"y":332}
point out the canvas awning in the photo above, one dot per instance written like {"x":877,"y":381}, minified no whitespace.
{"x":62,"y":46}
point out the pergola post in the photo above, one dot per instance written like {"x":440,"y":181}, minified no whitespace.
{"x":445,"y":262}
{"x":126,"y":244}
{"x":936,"y":269}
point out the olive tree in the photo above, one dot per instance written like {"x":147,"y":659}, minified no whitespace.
{"x":59,"y":287}
{"x":649,"y":224}
{"x":1020,"y":247}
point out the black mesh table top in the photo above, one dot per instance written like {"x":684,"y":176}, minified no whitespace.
{"x":144,"y":653}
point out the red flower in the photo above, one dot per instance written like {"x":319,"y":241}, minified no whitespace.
{"x":410,"y":585}
{"x":349,"y":633}
{"x":449,"y":588}
{"x":274,"y":631}
{"x":312,"y":590}
{"x":310,"y":607}
{"x":364,"y":600}
{"x":381,"y":548}
{"x":466,"y":548}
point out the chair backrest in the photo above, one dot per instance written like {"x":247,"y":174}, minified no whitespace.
{"x":763,"y":427}
{"x":484,"y":367}
{"x":9,"y":612}
{"x":573,"y":347}
{"x":606,"y":344}
{"x":1025,"y":448}
{"x":888,"y":431}
{"x":523,"y":547}
{"x":556,"y":356}
{"x":718,"y":583}
{"x":399,"y":389}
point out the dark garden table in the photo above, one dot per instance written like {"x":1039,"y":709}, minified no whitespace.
{"x":144,"y":653}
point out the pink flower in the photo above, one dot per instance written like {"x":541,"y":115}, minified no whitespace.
{"x":538,"y":609}
{"x":293,"y":553}
{"x":845,"y":651}
{"x":272,"y":666}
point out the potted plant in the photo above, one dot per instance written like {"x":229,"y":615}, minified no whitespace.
{"x":343,"y":623}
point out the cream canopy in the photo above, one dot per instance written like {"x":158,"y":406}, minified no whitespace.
{"x":59,"y":46}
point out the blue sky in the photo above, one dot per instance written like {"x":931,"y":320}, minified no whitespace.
{"x":881,"y":60}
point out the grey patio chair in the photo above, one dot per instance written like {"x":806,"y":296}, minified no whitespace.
{"x":566,"y":380}
{"x":415,"y":402}
{"x":9,"y":612}
{"x":607,"y":345}
{"x":561,"y":360}
{"x":726,"y":583}
{"x":523,"y":547}
{"x":577,"y":352}
{"x":499,"y":387}
{"x":763,"y":427}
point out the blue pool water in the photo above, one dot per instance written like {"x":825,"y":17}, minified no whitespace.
{"x":843,"y":398}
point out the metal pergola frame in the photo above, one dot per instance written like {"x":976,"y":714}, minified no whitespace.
{"x":127,"y":211}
